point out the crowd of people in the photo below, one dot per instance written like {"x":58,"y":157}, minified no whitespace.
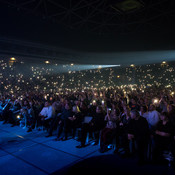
{"x":141,"y":122}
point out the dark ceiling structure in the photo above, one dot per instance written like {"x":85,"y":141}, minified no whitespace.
{"x":101,"y":16}
{"x":91,"y":26}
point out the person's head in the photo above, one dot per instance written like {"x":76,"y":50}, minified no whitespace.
{"x":127,"y":111}
{"x":141,"y":101}
{"x":15,"y":102}
{"x":74,"y":109}
{"x":164,"y":99}
{"x":143,"y":109}
{"x":47,"y":104}
{"x":146,"y":101}
{"x":77,"y":103}
{"x":171,"y":108}
{"x":116,"y":111}
{"x":152,"y":107}
{"x":133,"y":101}
{"x":68,"y":106}
{"x":134,"y":114}
{"x":62,"y":100}
{"x":82,"y":104}
{"x":26,"y":102}
{"x":113,"y":105}
{"x":164,"y":116}
{"x":99,"y":109}
{"x":31,"y":103}
{"x":66,"y":101}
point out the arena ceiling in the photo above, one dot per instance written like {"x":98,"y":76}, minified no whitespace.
{"x":101,"y":16}
{"x":89,"y":26}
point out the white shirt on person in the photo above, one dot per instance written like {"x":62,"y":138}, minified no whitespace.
{"x":153,"y":118}
{"x":47,"y":112}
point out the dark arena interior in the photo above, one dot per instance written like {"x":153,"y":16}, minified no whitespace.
{"x":87,"y":86}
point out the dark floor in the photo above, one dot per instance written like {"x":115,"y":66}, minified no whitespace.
{"x":113,"y":165}
{"x":25,"y":153}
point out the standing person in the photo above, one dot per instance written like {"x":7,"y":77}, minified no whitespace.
{"x":122,"y":132}
{"x":95,"y":125}
{"x":1,"y":103}
{"x":163,"y":104}
{"x":133,"y":104}
{"x":107,"y":132}
{"x":171,"y":113}
{"x":162,"y":136}
{"x":5,"y":110}
{"x":153,"y":118}
{"x":83,"y":109}
{"x":144,"y":111}
{"x":138,"y":131}
{"x":76,"y":119}
{"x":37,"y":107}
{"x":28,"y":115}
{"x":173,"y":145}
{"x":24,"y":105}
{"x":15,"y":110}
{"x":31,"y":117}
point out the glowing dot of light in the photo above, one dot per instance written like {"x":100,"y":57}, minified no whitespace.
{"x":47,"y":62}
{"x":12,"y":59}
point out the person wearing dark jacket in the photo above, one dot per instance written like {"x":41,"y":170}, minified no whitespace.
{"x":173,"y":145}
{"x":5,"y":110}
{"x":138,"y":130}
{"x":64,"y":122}
{"x":122,"y":132}
{"x":15,"y":110}
{"x":95,"y":125}
{"x":76,"y":119}
{"x":163,"y":134}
